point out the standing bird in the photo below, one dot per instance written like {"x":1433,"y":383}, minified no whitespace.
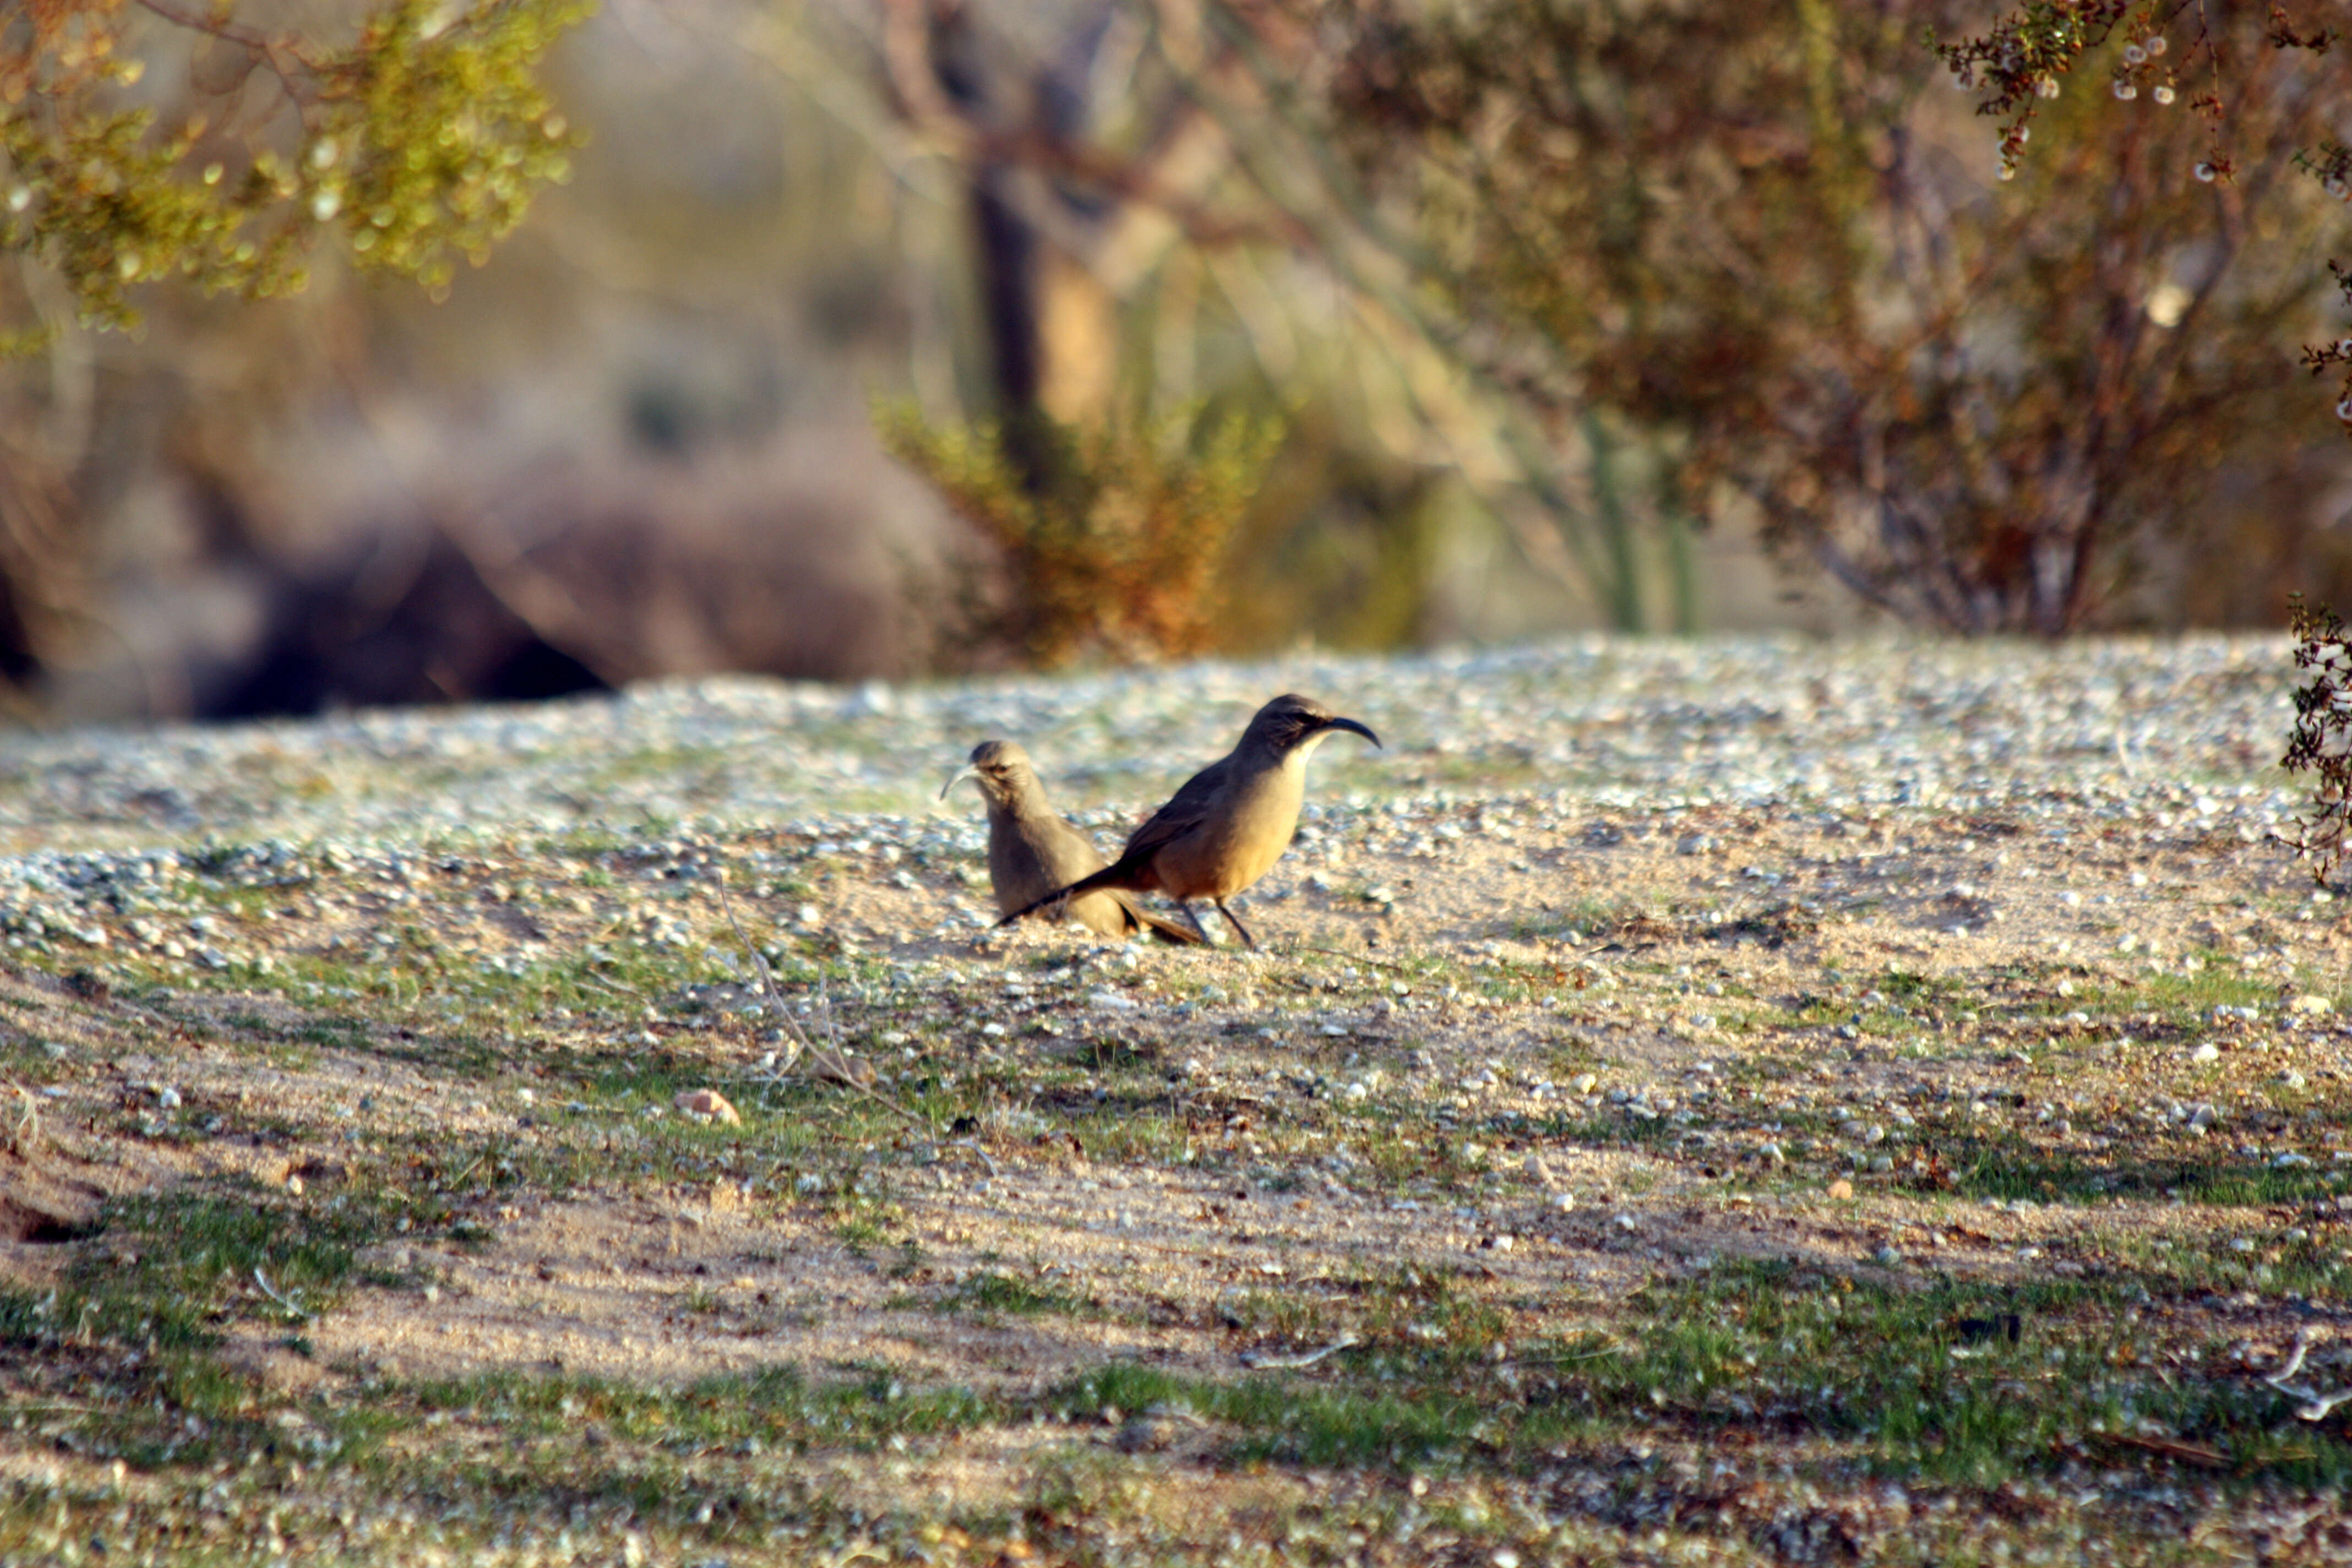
{"x":1229,"y":824}
{"x":1033,"y":852}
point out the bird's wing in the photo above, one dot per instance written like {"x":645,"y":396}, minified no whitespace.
{"x":1064,"y":852}
{"x":1183,"y":813}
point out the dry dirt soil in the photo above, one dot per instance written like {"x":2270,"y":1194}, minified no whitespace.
{"x":1558,"y":1183}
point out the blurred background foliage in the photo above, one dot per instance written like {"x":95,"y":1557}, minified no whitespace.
{"x":847,"y":338}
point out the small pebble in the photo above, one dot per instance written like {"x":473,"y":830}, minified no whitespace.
{"x":710,"y":1105}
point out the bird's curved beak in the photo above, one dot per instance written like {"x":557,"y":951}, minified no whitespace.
{"x":965,"y":773}
{"x":1350,"y":724}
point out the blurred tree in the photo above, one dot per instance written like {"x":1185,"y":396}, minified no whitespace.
{"x":1132,"y":217}
{"x":1087,"y":166}
{"x":2022,"y":59}
{"x":1749,"y":228}
{"x":153,"y":141}
{"x":1088,"y":163}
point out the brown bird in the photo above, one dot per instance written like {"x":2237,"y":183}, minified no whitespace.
{"x":1033,"y":852}
{"x":1229,"y":824}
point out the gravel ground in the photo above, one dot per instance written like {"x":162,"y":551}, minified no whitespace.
{"x":1622,"y":962}
{"x":2126,"y":730}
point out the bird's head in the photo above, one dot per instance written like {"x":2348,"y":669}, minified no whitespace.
{"x":1294,"y":723}
{"x":1000,"y":767}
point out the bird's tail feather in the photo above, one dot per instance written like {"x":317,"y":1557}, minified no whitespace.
{"x":1106,"y":878}
{"x":1169,"y":931}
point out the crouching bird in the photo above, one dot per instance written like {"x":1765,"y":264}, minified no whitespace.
{"x":1033,"y":852}
{"x":1229,"y":824}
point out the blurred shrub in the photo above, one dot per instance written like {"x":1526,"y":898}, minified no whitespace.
{"x":1112,"y":538}
{"x":422,"y":135}
{"x":1771,"y":233}
{"x":170,"y":142}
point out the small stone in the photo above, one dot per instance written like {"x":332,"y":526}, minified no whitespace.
{"x":2311,"y":1006}
{"x":1147,"y":1432}
{"x":855,"y":1071}
{"x":1886,"y":1256}
{"x":1841,"y":1189}
{"x":2208,"y":1052}
{"x":710,"y":1105}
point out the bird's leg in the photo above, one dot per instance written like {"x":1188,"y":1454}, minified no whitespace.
{"x":1194,"y":922}
{"x":1234,"y":921}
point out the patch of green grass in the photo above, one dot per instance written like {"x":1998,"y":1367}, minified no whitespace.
{"x":996,"y":1291}
{"x":31,"y":1060}
{"x":1287,"y":1315}
{"x":1593,"y":918}
{"x":1400,"y":1158}
{"x":2003,"y":1168}
{"x":172,"y":1268}
{"x":342,"y":1032}
{"x":1616,"y":1128}
{"x":1139,"y":1128}
{"x":130,"y":1333}
{"x":604,"y":1442}
{"x":1427,"y":1312}
{"x":1873,"y":1365}
{"x":1896,"y":1376}
{"x":2183,"y":1001}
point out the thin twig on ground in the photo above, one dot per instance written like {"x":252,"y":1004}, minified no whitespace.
{"x":1350,"y":957}
{"x":2314,"y":1405}
{"x":835,"y":1064}
{"x":25,"y":1136}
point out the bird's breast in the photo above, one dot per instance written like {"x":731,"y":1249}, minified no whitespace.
{"x":1234,"y":847}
